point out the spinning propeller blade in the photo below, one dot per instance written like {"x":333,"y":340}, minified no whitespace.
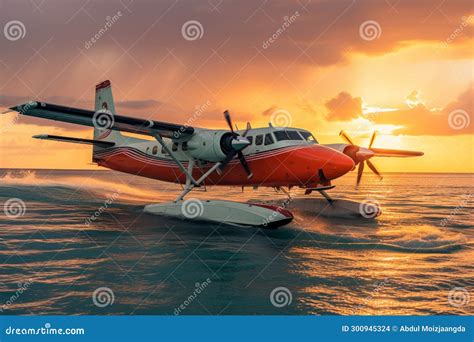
{"x":374,"y":169}
{"x":360,"y":170}
{"x":345,"y":137}
{"x":237,"y":144}
{"x":362,"y":156}
{"x":372,"y":138}
{"x":229,"y":120}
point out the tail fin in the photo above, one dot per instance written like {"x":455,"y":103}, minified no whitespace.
{"x":104,"y":101}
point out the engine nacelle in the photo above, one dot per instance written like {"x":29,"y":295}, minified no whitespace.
{"x":210,"y":145}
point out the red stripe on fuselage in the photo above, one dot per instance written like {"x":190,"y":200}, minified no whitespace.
{"x":293,"y":165}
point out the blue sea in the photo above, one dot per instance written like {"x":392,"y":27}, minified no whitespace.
{"x":78,"y":242}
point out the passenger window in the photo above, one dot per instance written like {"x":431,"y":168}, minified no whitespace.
{"x":259,"y":139}
{"x":147,"y":150}
{"x":174,"y":148}
{"x":250,"y":139}
{"x":184,"y":146}
{"x":163,"y":151}
{"x":155,"y":150}
{"x":268,"y":139}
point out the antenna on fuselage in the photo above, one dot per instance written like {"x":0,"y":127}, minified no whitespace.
{"x":270,"y":125}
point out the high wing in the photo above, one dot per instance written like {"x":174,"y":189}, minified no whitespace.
{"x":90,"y":118}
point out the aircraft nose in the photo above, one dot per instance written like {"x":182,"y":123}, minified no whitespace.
{"x":338,"y":164}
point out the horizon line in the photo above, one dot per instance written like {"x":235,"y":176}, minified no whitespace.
{"x":110,"y":170}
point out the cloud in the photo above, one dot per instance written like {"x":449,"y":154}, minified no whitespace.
{"x":453,"y":119}
{"x":343,"y":107}
{"x":413,"y":99}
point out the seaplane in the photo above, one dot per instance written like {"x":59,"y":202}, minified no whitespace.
{"x":278,"y":157}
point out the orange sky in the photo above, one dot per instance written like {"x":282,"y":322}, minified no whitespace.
{"x":403,"y":68}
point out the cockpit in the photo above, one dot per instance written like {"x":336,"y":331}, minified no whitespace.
{"x":288,"y":134}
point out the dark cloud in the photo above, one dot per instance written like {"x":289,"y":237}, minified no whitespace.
{"x":53,"y":57}
{"x":343,"y":107}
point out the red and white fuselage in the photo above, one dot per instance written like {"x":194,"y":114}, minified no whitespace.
{"x":276,"y":156}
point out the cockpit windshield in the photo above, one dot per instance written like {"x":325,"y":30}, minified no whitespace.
{"x":309,"y":137}
{"x":287,"y":135}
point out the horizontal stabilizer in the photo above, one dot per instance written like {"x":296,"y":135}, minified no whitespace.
{"x":74,"y":140}
{"x":383,"y":152}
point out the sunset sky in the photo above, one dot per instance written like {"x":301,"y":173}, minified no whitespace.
{"x":403,"y":68}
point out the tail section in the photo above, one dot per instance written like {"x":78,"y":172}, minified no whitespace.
{"x":104,"y":103}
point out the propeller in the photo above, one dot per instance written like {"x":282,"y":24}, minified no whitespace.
{"x":361,"y":155}
{"x":236,"y":144}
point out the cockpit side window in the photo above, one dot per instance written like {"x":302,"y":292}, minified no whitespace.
{"x":308,"y":137}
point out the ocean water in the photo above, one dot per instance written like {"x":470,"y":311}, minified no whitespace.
{"x":78,"y":242}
